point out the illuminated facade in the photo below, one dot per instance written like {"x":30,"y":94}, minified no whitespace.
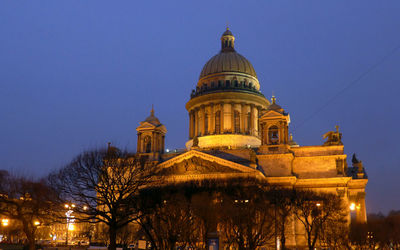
{"x":234,"y":127}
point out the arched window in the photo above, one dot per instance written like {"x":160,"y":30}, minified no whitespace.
{"x":273,"y":135}
{"x":237,"y":121}
{"x":147,"y":144}
{"x":218,"y":122}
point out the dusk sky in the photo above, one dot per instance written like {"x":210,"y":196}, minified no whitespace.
{"x":75,"y":75}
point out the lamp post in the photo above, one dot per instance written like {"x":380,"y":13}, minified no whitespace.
{"x":4,"y":224}
{"x":70,"y":219}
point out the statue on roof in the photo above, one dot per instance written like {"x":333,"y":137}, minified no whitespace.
{"x":195,"y":142}
{"x":333,"y":138}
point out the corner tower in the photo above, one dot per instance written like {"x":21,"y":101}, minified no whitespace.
{"x":225,"y":106}
{"x":151,"y":137}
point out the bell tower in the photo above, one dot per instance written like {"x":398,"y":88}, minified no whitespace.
{"x":274,"y":125}
{"x":151,"y":137}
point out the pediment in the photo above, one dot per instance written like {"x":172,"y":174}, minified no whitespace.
{"x":149,"y":126}
{"x":272,"y":113}
{"x":146,"y":125}
{"x":198,"y":163}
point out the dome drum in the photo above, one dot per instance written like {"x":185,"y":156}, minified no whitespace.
{"x":226,"y":85}
{"x":226,"y":104}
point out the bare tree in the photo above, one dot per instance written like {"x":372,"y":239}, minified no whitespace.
{"x":314,"y":210}
{"x":104,"y":185}
{"x":283,"y":202}
{"x":28,"y":202}
{"x":169,"y":222}
{"x":246,"y":217}
{"x":335,"y":233}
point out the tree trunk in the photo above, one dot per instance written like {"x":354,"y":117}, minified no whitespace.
{"x":31,"y":244}
{"x":310,"y":245}
{"x":113,"y":238}
{"x":30,"y":235}
{"x":283,"y":237}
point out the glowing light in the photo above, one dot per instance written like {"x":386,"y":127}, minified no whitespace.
{"x":352,"y":206}
{"x":318,"y":204}
{"x":66,"y":206}
{"x":4,"y":222}
{"x":85,"y":207}
{"x":36,"y":223}
{"x":71,"y":227}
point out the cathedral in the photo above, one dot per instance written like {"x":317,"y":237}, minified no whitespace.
{"x":234,"y":131}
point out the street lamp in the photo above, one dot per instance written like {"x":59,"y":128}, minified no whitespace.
{"x":4,"y":222}
{"x":70,"y":220}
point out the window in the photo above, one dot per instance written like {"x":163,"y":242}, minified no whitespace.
{"x":219,"y":84}
{"x":237,"y":122}
{"x":236,"y":83}
{"x":228,"y":83}
{"x":218,"y":122}
{"x":147,"y":144}
{"x":273,"y":135}
{"x":212,"y":84}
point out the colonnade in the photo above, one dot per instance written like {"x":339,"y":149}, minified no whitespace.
{"x":155,"y":139}
{"x":224,"y":118}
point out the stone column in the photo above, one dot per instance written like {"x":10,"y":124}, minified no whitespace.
{"x":258,"y":121}
{"x":361,"y":213}
{"x":232,"y":117}
{"x":286,"y":132}
{"x":251,"y":129}
{"x":222,"y":118}
{"x":196,"y":122}
{"x":190,"y":124}
{"x":163,"y":144}
{"x":242,"y":117}
{"x":211,"y":127}
{"x":153,"y":142}
{"x":139,"y":142}
{"x":202,"y":120}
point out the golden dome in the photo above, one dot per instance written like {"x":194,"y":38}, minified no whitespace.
{"x":227,"y":60}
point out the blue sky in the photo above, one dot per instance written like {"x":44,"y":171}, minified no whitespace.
{"x":77,"y":74}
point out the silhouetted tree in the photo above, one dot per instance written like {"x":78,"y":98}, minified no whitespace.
{"x":282,"y":200}
{"x":104,"y":184}
{"x":246,"y":217}
{"x":27,"y":202}
{"x":315,"y":210}
{"x":168,"y":221}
